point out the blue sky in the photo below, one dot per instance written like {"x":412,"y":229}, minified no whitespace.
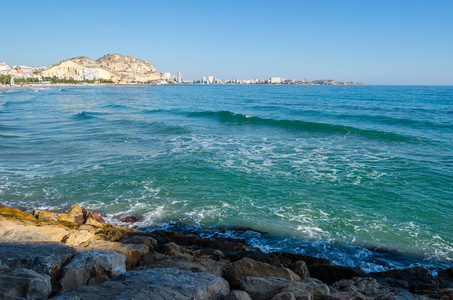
{"x":375,"y":42}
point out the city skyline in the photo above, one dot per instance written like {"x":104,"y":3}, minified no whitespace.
{"x":408,"y":42}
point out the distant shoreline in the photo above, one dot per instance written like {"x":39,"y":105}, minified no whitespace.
{"x":5,"y":86}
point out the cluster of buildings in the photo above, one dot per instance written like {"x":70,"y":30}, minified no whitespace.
{"x":166,"y":76}
{"x":20,"y":71}
{"x":272,"y":80}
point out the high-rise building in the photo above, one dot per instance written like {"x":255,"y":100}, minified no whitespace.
{"x":179,"y":78}
{"x":166,"y":75}
{"x":210,"y":79}
{"x":203,"y":79}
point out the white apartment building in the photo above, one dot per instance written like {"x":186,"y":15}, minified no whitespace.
{"x":276,"y":80}
{"x":3,"y":66}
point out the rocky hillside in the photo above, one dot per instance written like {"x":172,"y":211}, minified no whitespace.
{"x":115,"y":67}
{"x":129,"y":68}
{"x":74,"y":67}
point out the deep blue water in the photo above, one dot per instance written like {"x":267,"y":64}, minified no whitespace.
{"x":325,"y":170}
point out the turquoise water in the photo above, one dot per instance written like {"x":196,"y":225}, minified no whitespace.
{"x":330,"y":171}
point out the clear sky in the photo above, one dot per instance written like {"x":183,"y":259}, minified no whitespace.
{"x":375,"y":42}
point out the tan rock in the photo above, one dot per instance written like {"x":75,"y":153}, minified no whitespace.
{"x":15,"y":213}
{"x":253,"y":268}
{"x":75,"y":210}
{"x":133,"y":252}
{"x":17,"y":230}
{"x":53,"y":216}
{"x":92,"y":222}
{"x":76,"y":238}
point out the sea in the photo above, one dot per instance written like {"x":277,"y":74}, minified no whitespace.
{"x":360,"y":175}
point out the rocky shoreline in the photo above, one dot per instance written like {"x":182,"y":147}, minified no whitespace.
{"x":76,"y":255}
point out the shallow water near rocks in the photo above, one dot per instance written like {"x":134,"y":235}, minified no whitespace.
{"x":325,"y":170}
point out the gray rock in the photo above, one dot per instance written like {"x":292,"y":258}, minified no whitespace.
{"x":269,"y":287}
{"x":23,"y":283}
{"x":42,"y":257}
{"x":332,"y":273}
{"x":146,"y":240}
{"x":92,"y":267}
{"x":300,"y":268}
{"x":159,"y":283}
{"x":290,"y":296}
{"x":253,"y":268}
{"x":370,"y":287}
{"x":238,"y":295}
{"x":347,"y":296}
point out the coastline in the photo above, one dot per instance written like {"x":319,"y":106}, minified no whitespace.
{"x":62,"y":85}
{"x":92,"y":259}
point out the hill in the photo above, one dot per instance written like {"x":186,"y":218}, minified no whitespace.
{"x":115,"y":67}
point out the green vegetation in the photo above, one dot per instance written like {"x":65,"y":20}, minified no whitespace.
{"x":25,"y":80}
{"x":5,"y":79}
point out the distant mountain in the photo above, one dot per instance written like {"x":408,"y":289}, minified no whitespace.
{"x":115,"y":67}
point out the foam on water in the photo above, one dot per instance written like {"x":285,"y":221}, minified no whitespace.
{"x":331,"y":172}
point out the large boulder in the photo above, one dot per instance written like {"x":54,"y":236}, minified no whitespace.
{"x":24,"y":283}
{"x":268,"y":287}
{"x":133,"y":252}
{"x":253,"y":268}
{"x":42,"y":257}
{"x":332,"y":273}
{"x":165,"y":283}
{"x":92,"y":267}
